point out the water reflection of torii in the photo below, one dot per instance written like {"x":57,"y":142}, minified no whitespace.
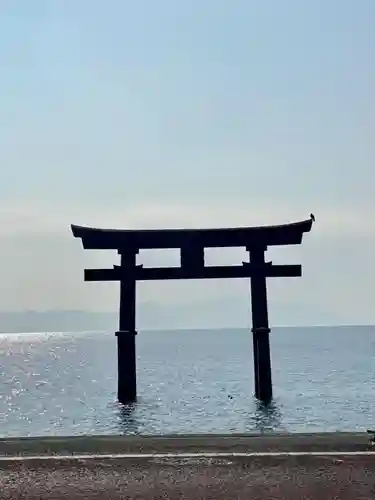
{"x":128,"y":424}
{"x":268,"y":417}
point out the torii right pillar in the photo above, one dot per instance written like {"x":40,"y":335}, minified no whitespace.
{"x":260,"y":327}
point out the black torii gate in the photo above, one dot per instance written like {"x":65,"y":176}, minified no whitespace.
{"x":192,"y":243}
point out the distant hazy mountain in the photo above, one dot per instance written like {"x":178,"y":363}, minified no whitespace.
{"x":55,"y":321}
{"x":228,"y":312}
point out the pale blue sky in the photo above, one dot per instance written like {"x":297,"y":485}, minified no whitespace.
{"x":187,"y":113}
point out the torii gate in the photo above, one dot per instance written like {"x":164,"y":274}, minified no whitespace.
{"x":192,"y":243}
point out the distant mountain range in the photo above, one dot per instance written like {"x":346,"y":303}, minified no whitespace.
{"x":149,"y":316}
{"x":55,"y":321}
{"x":220,"y":313}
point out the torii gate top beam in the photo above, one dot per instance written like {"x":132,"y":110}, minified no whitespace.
{"x":104,"y":239}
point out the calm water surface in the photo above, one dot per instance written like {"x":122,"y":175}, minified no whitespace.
{"x":59,"y":384}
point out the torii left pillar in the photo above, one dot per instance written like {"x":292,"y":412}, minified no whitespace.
{"x":261,"y":330}
{"x":126,"y":349}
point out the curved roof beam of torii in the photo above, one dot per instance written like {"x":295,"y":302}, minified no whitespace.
{"x":283,"y":234}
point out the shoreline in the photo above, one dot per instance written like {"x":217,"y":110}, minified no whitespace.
{"x":194,"y":443}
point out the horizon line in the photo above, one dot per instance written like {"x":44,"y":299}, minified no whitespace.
{"x":186,"y":329}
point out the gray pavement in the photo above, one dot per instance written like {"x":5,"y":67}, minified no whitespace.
{"x":282,"y":478}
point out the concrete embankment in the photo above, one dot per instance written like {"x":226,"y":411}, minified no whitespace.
{"x":320,"y":442}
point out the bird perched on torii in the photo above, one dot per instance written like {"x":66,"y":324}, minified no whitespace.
{"x":312,"y":217}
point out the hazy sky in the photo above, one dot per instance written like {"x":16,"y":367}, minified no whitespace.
{"x":199,"y":113}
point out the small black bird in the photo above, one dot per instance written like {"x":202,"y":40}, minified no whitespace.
{"x":312,"y":217}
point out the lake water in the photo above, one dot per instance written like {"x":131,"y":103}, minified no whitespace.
{"x":60,"y":384}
